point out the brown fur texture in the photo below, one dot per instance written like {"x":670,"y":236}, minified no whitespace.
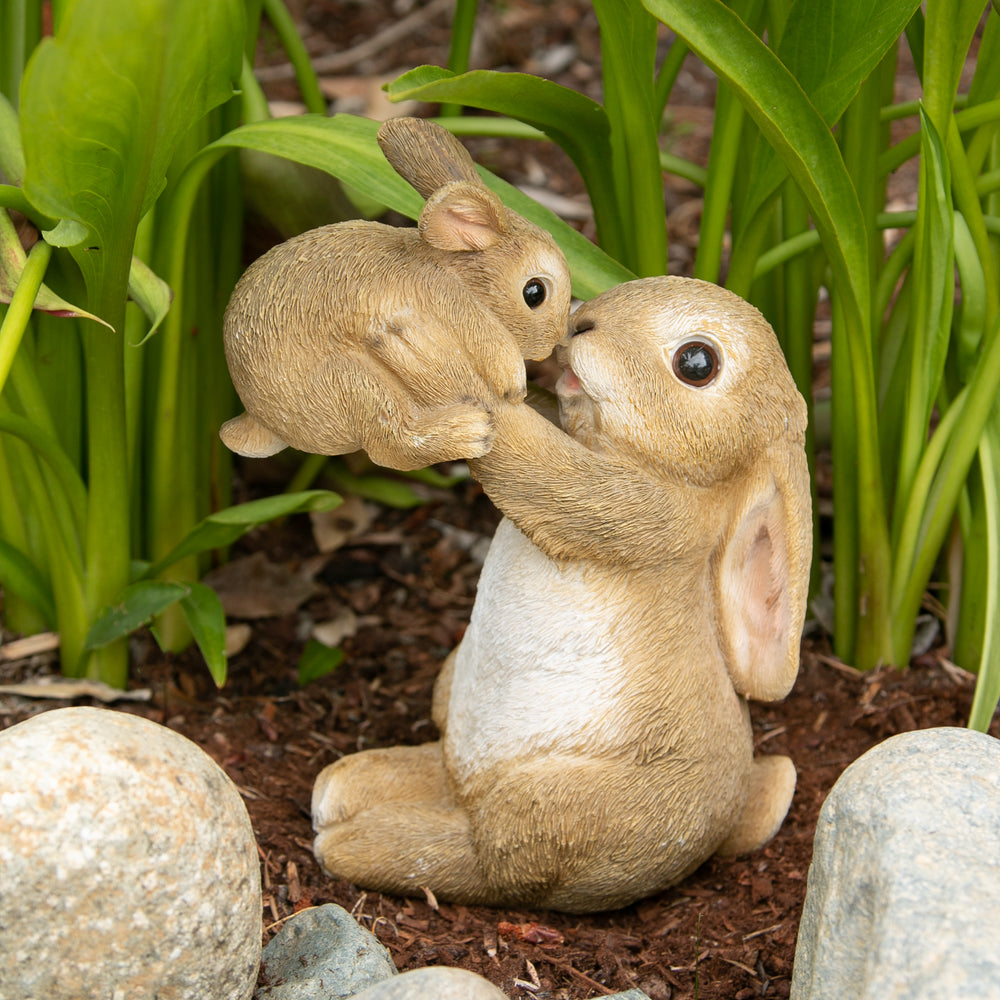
{"x":650,"y":575}
{"x":336,"y":339}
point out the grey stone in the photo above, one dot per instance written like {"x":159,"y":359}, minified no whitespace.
{"x":903,"y":897}
{"x":129,"y":864}
{"x":439,"y":982}
{"x":322,"y":954}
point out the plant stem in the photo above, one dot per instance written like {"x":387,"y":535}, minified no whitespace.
{"x":628,"y":51}
{"x":291,"y":42}
{"x":463,"y":27}
{"x":15,"y":322}
{"x":109,"y":511}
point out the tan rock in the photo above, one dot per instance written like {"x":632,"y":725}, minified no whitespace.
{"x":129,"y":864}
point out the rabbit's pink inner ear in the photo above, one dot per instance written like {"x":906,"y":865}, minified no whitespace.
{"x":461,"y":217}
{"x":759,"y":633}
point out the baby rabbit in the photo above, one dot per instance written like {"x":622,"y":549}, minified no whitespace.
{"x":650,"y":575}
{"x":340,"y":339}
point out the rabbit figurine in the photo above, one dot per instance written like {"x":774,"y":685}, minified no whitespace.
{"x":323,"y":332}
{"x":649,"y":576}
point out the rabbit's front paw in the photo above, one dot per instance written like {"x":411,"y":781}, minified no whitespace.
{"x":450,"y":433}
{"x":464,"y":428}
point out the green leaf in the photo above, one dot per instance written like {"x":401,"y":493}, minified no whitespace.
{"x":139,"y":605}
{"x":803,"y":140}
{"x":592,"y":269}
{"x":12,"y":261}
{"x":19,"y":575}
{"x":789,"y":122}
{"x":830,"y":51}
{"x":628,"y":57}
{"x":11,"y":153}
{"x":150,"y":292}
{"x":381,"y":489}
{"x":578,"y":125}
{"x":223,"y":528}
{"x":105,"y":102}
{"x":345,"y":147}
{"x":66,"y":233}
{"x":932,"y":303}
{"x":317,"y":661}
{"x":573,"y":121}
{"x":987,"y":694}
{"x":207,"y":620}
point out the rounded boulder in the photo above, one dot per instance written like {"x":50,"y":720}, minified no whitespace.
{"x":129,"y":864}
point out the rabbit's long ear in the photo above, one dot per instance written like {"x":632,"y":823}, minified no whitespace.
{"x":763,"y":579}
{"x":462,"y":217}
{"x":425,"y":155}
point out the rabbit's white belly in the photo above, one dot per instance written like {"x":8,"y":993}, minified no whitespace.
{"x":538,"y":666}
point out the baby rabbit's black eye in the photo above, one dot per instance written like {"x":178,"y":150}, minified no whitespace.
{"x":696,"y":363}
{"x":534,"y":293}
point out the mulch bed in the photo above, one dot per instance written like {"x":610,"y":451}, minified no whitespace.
{"x":727,"y":932}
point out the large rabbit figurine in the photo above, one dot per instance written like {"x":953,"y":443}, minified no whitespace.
{"x":649,"y":577}
{"x":337,"y":339}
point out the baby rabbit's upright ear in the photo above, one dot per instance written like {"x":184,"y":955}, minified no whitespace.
{"x":463,"y":217}
{"x":763,"y":577}
{"x":425,"y":155}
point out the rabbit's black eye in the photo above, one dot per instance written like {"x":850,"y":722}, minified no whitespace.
{"x":534,"y":293}
{"x":696,"y":363}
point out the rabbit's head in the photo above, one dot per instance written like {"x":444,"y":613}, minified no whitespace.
{"x":681,"y":376}
{"x":686,"y":381}
{"x":513,"y":267}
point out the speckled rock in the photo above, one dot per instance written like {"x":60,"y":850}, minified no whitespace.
{"x":435,"y":983}
{"x":322,"y":954}
{"x":903,"y":897}
{"x":129,"y":867}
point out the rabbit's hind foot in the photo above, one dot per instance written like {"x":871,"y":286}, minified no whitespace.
{"x":356,"y":783}
{"x":772,"y":785}
{"x":405,"y":849}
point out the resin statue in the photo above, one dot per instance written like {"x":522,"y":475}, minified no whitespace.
{"x":650,"y":574}
{"x":649,"y":577}
{"x":325,"y":333}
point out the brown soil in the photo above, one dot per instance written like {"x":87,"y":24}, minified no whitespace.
{"x":727,"y":932}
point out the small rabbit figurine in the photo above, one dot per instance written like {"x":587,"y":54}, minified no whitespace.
{"x":649,"y":577}
{"x":324,"y":333}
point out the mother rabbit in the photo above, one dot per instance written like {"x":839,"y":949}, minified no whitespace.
{"x":650,"y":575}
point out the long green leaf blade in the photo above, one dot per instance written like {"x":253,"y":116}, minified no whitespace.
{"x":139,"y":605}
{"x":578,"y":125}
{"x":932,"y":304}
{"x":830,"y":51}
{"x":224,"y":527}
{"x":19,"y":575}
{"x":345,"y":147}
{"x":788,"y":121}
{"x":207,"y":620}
{"x":987,"y":694}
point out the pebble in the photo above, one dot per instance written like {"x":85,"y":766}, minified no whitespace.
{"x":439,"y":982}
{"x":129,"y":864}
{"x":903,"y":895}
{"x":322,"y":954}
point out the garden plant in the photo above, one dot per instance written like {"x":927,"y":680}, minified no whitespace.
{"x":109,"y":436}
